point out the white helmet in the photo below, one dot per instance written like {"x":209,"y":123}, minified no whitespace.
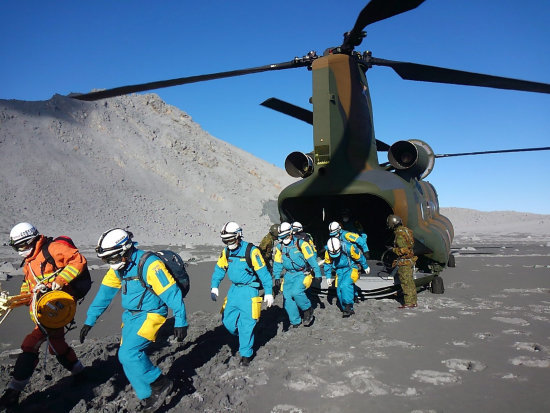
{"x":113,"y":245}
{"x":334,"y":229}
{"x":297,"y":227}
{"x":231,"y":233}
{"x":334,"y":247}
{"x":22,"y":238}
{"x":285,"y":229}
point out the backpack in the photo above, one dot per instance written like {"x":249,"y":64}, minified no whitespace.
{"x":80,"y":285}
{"x":175,"y":266}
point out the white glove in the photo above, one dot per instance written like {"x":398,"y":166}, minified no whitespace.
{"x":329,"y":282}
{"x":39,"y":288}
{"x":268,"y":299}
{"x":214,"y":294}
{"x":56,"y":286}
{"x":367,"y":270}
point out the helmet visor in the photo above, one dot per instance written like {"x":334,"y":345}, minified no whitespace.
{"x":229,"y":240}
{"x":113,"y":259}
{"x":21,"y":245}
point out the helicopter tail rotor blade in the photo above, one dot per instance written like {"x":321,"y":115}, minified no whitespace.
{"x":374,"y":11}
{"x":305,"y":116}
{"x":447,"y":155}
{"x":426,"y":73}
{"x":124,"y":90}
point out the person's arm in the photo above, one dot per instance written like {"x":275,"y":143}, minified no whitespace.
{"x":310,"y":257}
{"x":327,"y":266}
{"x":69,"y":259}
{"x":219,"y":270}
{"x":358,"y":257}
{"x":166,"y":288}
{"x":259,"y":266}
{"x":277,"y":264}
{"x":107,"y":291}
{"x":357,"y":239}
{"x":401,"y":245}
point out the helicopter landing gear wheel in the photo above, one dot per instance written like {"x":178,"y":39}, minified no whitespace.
{"x":451,"y":263}
{"x":437,"y":286}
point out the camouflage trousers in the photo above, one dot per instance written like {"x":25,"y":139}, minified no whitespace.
{"x":405,"y":274}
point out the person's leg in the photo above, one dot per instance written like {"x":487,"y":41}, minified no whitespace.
{"x":136,"y":364}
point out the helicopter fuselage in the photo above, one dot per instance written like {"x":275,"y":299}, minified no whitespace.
{"x":346,"y":173}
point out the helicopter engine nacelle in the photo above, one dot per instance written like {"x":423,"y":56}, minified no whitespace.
{"x":299,"y":165}
{"x":414,"y":156}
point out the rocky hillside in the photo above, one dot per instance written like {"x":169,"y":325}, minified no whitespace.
{"x":79,"y":168}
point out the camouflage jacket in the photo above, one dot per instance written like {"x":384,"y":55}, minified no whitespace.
{"x":266,"y":247}
{"x":403,"y":246}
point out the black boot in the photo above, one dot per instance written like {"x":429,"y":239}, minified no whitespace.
{"x":308,"y":317}
{"x":245,"y":361}
{"x":348,"y":311}
{"x":160,"y":388}
{"x":10,"y":398}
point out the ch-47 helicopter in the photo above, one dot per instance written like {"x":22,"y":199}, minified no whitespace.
{"x":343,"y":170}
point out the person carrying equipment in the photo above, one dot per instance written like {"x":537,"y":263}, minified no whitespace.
{"x":266,"y":246}
{"x":336,"y":231}
{"x":298,"y":259}
{"x":145,"y":300}
{"x":298,"y":233}
{"x":403,"y":248}
{"x":343,"y":259}
{"x":41,"y":278}
{"x":246,"y":269}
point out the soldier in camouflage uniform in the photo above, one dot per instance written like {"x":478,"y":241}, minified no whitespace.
{"x":267,"y":244}
{"x":403,"y":248}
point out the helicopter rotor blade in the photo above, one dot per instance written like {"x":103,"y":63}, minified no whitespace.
{"x":289,"y":109}
{"x":426,"y":73}
{"x":305,"y":116}
{"x":374,"y":11}
{"x":447,"y":155}
{"x":124,"y":90}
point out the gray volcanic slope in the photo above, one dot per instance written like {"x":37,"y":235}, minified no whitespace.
{"x":78,"y":168}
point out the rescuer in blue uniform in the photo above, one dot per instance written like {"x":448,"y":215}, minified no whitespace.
{"x":298,"y":259}
{"x":343,"y":259}
{"x":335,"y":230}
{"x":146,"y":303}
{"x":242,"y":308}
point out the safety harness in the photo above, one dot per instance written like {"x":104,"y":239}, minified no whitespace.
{"x":248,"y":257}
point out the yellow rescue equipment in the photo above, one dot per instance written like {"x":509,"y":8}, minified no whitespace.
{"x":8,"y":303}
{"x":55,"y":309}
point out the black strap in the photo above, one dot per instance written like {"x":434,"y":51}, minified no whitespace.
{"x":140,"y":278}
{"x":294,"y":265}
{"x":47,"y":256}
{"x":247,"y":257}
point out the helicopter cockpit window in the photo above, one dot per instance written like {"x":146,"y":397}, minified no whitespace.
{"x":422,"y":211}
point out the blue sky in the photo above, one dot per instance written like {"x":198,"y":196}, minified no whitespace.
{"x":75,"y":46}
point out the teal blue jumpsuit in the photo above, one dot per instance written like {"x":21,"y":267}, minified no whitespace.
{"x":238,"y":313}
{"x":296,"y":260}
{"x":354,"y":238}
{"x":140,"y":325}
{"x":346,"y":268}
